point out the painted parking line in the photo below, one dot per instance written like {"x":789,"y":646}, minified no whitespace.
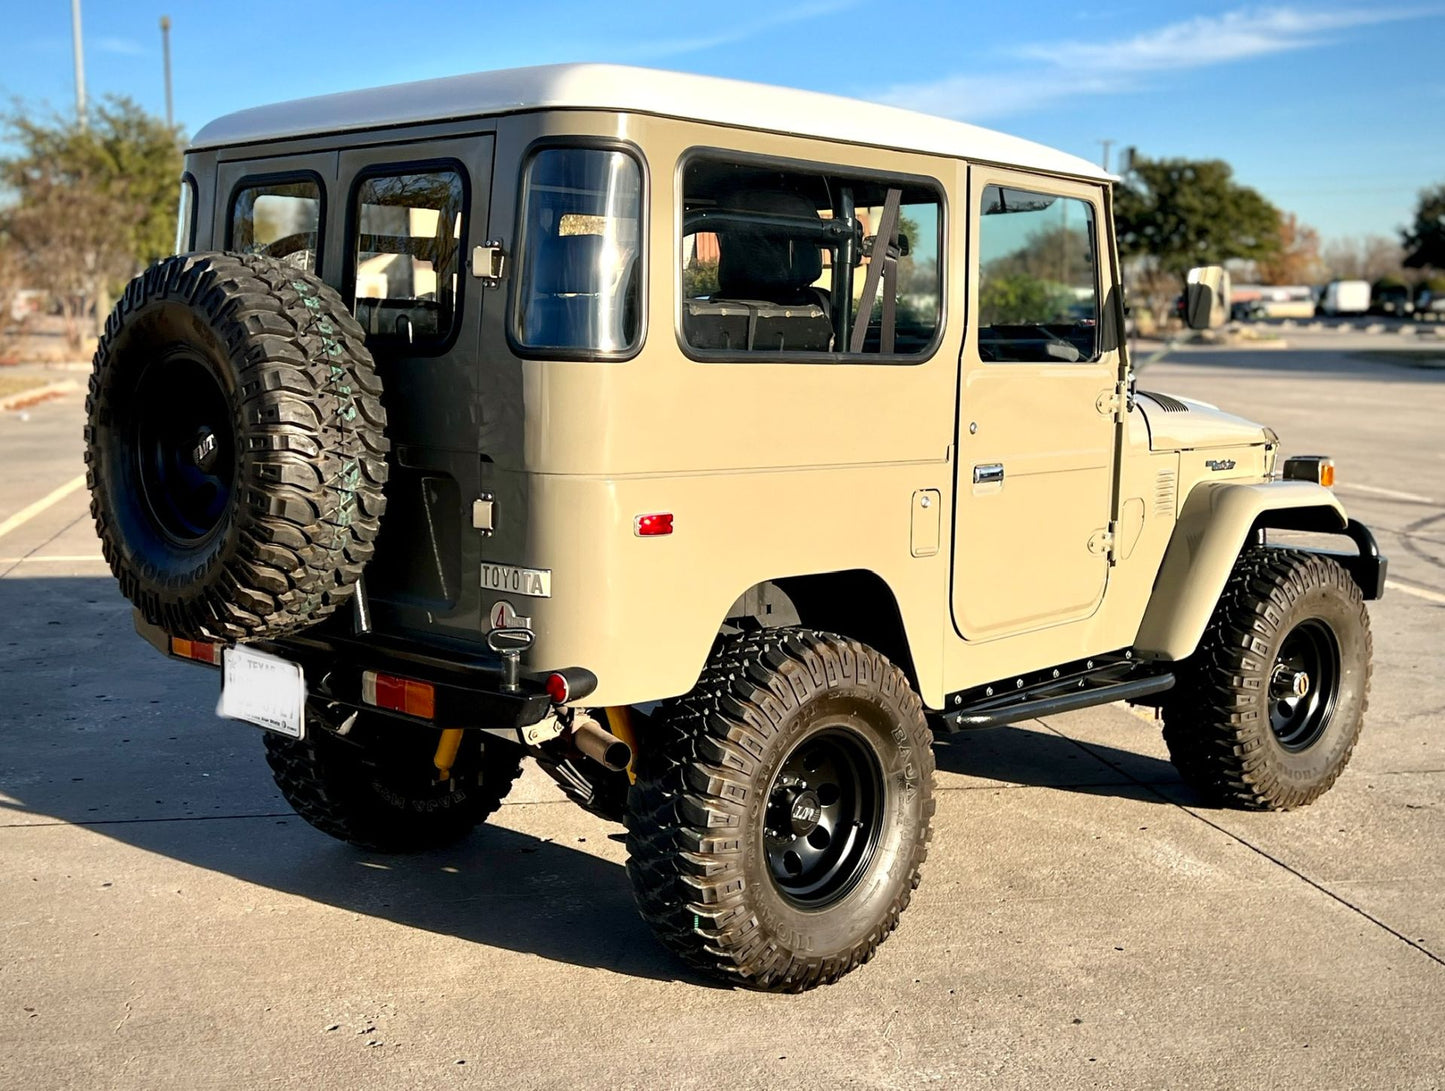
{"x":1394,"y":494}
{"x":1419,"y":592}
{"x":49,"y":500}
{"x":62,"y":558}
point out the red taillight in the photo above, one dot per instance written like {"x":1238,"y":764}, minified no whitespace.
{"x":558,"y":689}
{"x":198,"y":650}
{"x":647,"y":526}
{"x":399,"y":694}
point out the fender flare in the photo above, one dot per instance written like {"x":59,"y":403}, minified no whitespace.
{"x":1216,"y":521}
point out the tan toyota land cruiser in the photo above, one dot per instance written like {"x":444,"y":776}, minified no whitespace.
{"x":714,"y":445}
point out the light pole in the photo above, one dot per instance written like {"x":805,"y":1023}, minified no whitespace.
{"x":79,"y":63}
{"x":1107,"y":145}
{"x":166,"y":55}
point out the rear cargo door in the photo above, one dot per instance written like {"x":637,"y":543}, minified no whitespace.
{"x":413,"y":211}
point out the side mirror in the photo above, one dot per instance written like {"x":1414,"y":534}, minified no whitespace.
{"x":1206,"y":297}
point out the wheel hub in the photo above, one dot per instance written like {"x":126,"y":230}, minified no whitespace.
{"x":1290,"y":684}
{"x":824,"y":812}
{"x":1303,"y":685}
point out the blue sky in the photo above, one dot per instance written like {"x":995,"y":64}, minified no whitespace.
{"x":1335,"y":111}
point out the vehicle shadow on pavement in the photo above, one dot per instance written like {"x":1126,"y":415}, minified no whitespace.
{"x":99,"y":730}
{"x":1033,"y":756}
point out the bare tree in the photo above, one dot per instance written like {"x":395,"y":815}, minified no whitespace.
{"x":1298,"y":259}
{"x":68,"y":246}
{"x":10,"y":285}
{"x":1367,"y":257}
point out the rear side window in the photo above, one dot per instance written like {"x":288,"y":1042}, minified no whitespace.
{"x":407,"y":253}
{"x":1038,"y":295}
{"x":281,"y":219}
{"x":578,"y":286}
{"x":820,"y":263}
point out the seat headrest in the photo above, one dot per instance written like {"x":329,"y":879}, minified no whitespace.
{"x":762,"y":263}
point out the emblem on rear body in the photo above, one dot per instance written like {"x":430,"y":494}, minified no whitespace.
{"x":509,"y":578}
{"x":504,"y":616}
{"x":1220,"y":463}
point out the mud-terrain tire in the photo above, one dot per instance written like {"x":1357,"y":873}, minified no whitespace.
{"x":235,"y":447}
{"x":1237,"y":728}
{"x":788,"y":731}
{"x":376,"y":786}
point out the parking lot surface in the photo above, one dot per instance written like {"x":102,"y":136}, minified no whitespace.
{"x":1084,"y":920}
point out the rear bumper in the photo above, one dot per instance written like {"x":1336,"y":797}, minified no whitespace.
{"x":468,"y":685}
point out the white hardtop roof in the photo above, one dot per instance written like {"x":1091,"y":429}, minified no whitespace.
{"x":636,"y":90}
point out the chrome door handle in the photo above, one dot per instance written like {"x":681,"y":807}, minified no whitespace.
{"x":988,"y":474}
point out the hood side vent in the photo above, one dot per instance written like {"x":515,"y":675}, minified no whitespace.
{"x":1166,"y":403}
{"x":1166,"y":490}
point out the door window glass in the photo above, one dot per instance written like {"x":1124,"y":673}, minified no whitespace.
{"x":579,"y":278}
{"x":1038,"y":297}
{"x":407,"y":254}
{"x":278,"y":219}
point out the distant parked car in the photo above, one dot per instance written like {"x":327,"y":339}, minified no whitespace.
{"x":1429,"y":302}
{"x":1344,"y":297}
{"x":1391,"y":299}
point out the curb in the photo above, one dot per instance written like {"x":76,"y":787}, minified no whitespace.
{"x":36,"y":394}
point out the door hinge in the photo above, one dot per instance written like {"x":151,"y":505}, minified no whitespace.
{"x":484,"y":514}
{"x":1101,"y":542}
{"x":1116,"y":402}
{"x":489,"y":262}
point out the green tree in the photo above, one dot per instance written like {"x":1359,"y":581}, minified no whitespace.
{"x":1187,"y":212}
{"x":86,"y":207}
{"x":1425,"y":239}
{"x":1015,"y":298}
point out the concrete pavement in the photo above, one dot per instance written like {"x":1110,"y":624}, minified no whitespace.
{"x":1083,"y":920}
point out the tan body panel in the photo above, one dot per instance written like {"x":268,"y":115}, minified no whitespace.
{"x":1213,"y":526}
{"x":774,"y":470}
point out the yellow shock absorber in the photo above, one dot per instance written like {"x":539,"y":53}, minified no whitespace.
{"x":446,"y":755}
{"x":619,"y":722}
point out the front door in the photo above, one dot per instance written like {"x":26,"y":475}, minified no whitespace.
{"x":413,"y":212}
{"x":1036,"y":428}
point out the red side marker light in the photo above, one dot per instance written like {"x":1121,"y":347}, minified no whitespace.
{"x":647,"y":526}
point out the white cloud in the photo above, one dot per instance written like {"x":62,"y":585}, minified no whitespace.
{"x":1068,"y":69}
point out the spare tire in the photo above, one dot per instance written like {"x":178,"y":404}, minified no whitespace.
{"x":235,"y":447}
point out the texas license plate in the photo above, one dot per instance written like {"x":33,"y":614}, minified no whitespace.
{"x":264,"y":690}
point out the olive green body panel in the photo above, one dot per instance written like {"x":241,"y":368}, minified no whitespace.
{"x":1214,"y":525}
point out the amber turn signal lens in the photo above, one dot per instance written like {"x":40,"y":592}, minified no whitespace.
{"x":198,"y":650}
{"x":399,"y":694}
{"x":1317,"y":468}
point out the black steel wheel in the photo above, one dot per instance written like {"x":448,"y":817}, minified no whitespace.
{"x":823,"y":817}
{"x":782,"y":810}
{"x":1269,"y":708}
{"x":1303,"y":685}
{"x":185,"y":447}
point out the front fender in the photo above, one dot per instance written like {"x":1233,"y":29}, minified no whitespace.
{"x":1213,"y":526}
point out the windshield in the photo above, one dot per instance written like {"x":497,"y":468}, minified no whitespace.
{"x":578,"y":285}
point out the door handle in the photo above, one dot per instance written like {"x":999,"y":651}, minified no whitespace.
{"x":990,"y":473}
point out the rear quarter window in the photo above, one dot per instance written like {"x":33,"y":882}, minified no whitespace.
{"x":280,"y":218}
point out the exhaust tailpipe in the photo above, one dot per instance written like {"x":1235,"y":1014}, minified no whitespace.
{"x":599,"y":744}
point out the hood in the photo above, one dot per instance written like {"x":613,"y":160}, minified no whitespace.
{"x":1180,"y":424}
